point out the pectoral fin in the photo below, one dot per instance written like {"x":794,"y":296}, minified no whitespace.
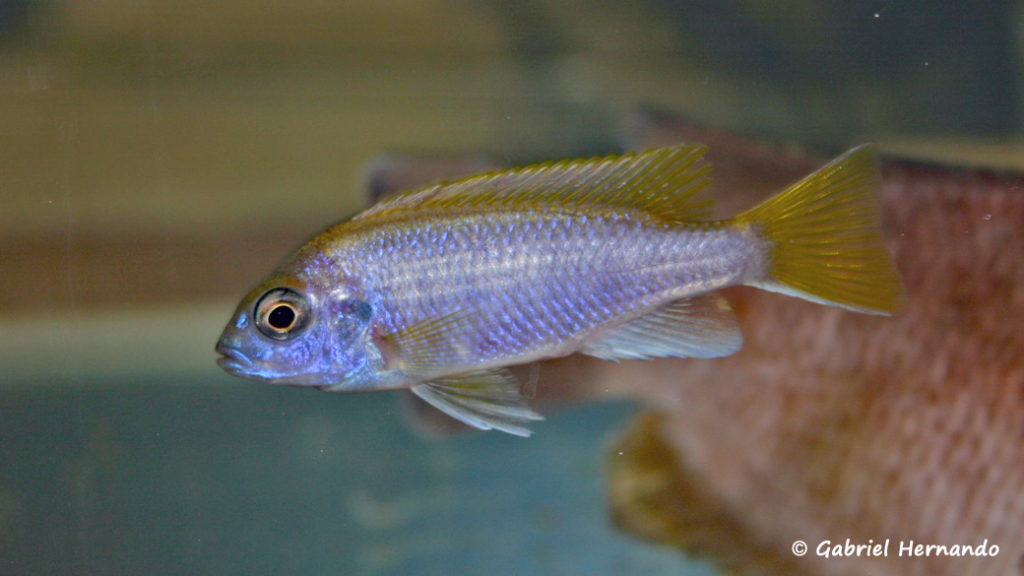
{"x":485,"y":400}
{"x":703,"y":326}
{"x":422,"y":347}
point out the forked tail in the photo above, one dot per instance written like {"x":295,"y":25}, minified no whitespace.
{"x":825,"y":238}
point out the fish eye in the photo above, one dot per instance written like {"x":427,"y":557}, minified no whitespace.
{"x":281,"y":313}
{"x":282,"y":316}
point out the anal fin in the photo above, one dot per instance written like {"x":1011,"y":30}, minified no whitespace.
{"x":702,"y":326}
{"x":487,"y":400}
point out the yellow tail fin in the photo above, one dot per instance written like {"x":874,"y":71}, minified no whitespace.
{"x":825,"y":238}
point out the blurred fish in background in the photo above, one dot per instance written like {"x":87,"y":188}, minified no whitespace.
{"x":908,"y":430}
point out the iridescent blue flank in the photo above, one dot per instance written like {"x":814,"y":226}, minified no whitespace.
{"x":532,"y":285}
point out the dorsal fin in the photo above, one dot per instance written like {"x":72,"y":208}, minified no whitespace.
{"x":660,"y":182}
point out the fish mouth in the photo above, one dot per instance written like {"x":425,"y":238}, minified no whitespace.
{"x":233,"y":360}
{"x":238,"y":363}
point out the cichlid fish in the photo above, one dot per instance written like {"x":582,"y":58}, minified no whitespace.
{"x":440,"y":289}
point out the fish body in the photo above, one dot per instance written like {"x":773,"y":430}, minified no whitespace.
{"x":441,"y":289}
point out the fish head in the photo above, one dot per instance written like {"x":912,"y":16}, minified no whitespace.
{"x":290,"y":332}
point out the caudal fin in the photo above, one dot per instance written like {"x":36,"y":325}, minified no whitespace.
{"x":825,"y":238}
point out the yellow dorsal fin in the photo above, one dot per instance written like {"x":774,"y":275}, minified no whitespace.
{"x":660,"y":182}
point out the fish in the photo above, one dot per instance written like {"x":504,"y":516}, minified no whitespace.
{"x":441,"y":289}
